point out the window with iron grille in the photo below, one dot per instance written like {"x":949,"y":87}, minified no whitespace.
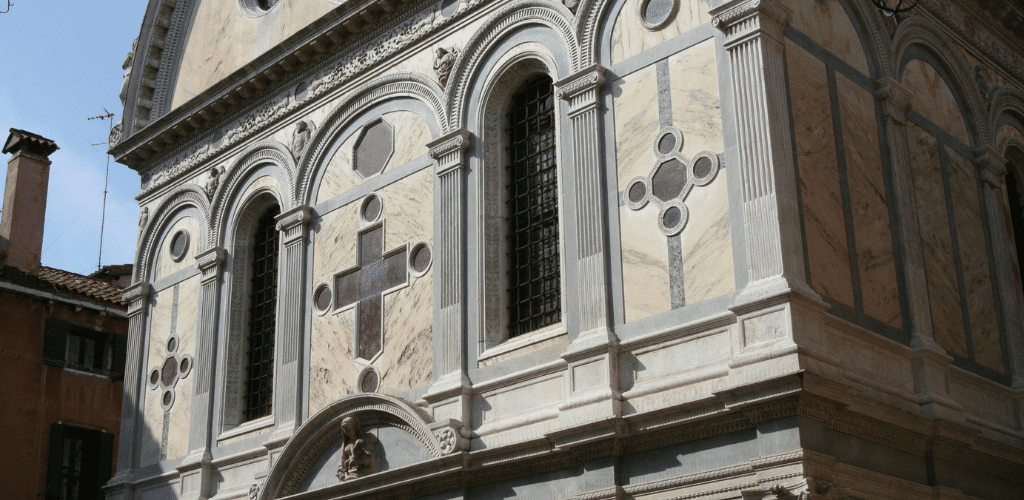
{"x":262,"y":318}
{"x":534,"y":264}
{"x":79,"y":462}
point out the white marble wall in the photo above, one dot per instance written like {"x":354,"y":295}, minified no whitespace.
{"x":164,"y":265}
{"x":411,"y":137}
{"x":827,"y":24}
{"x":696,"y":106}
{"x":934,"y":99}
{"x":875,"y":261}
{"x":629,"y":37}
{"x":339,"y":176}
{"x":238,"y":39}
{"x":821,"y":198}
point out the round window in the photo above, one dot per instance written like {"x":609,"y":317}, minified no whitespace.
{"x":179,"y":245}
{"x":655,"y":14}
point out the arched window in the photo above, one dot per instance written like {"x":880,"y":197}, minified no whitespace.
{"x":259,"y":384}
{"x":534,"y":264}
{"x":1015,"y":195}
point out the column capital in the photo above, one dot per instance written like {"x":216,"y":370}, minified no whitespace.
{"x":581,"y":88}
{"x":895,"y":98}
{"x":448,"y":150}
{"x":209,"y":263}
{"x":136,"y":296}
{"x":293,"y":223}
{"x":993,"y":166}
{"x":743,"y":19}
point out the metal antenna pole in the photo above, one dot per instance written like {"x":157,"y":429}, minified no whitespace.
{"x":106,"y":181}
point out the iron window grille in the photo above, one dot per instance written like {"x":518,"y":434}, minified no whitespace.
{"x":262,"y":318}
{"x":534,"y":263}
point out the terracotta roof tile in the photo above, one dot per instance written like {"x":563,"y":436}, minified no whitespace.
{"x":82,"y":285}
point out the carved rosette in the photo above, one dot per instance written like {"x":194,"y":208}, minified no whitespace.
{"x":448,"y":440}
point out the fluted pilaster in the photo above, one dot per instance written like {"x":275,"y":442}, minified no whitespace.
{"x":754,"y":40}
{"x":137,"y":297}
{"x":450,"y":234}
{"x":287,"y":394}
{"x":582,"y":91}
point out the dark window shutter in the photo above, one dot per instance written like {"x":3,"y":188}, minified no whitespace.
{"x":120,"y":350}
{"x":53,"y":470}
{"x":55,"y":343}
{"x":105,"y":459}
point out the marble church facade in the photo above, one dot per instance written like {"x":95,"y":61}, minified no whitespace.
{"x":770,"y":250}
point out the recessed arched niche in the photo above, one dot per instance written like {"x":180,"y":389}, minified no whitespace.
{"x":934,"y":99}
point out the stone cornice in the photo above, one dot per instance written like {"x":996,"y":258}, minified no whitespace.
{"x":448,"y":150}
{"x":590,"y":79}
{"x":896,"y":99}
{"x":209,"y":263}
{"x":741,"y":19}
{"x":293,"y":222}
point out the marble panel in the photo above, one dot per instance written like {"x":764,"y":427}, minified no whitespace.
{"x":683,"y":356}
{"x":518,"y":400}
{"x":332,"y":368}
{"x":707,"y":243}
{"x":875,"y":260}
{"x":827,"y":23}
{"x":338,"y":176}
{"x":636,"y":123}
{"x":821,"y":198}
{"x":934,"y":99}
{"x":645,"y":272}
{"x":937,"y":243}
{"x":266,"y":181}
{"x":411,"y":137}
{"x":164,"y":265}
{"x":238,"y":38}
{"x":970,"y":232}
{"x":188,"y":315}
{"x":696,"y":106}
{"x":407,"y":357}
{"x":629,"y":37}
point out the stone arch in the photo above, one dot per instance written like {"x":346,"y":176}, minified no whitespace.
{"x":1006,"y":102}
{"x":186,"y":197}
{"x":324,"y":428}
{"x":409,"y":85}
{"x":920,"y":34}
{"x":264,"y":154}
{"x":512,"y":17}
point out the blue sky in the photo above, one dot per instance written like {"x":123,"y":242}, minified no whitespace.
{"x":60,"y":63}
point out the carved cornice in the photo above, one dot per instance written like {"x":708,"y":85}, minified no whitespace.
{"x":588,"y":80}
{"x":896,"y":99}
{"x":742,"y":19}
{"x":136,"y":296}
{"x":997,"y":46}
{"x":209,"y":263}
{"x":993,"y":166}
{"x":293,"y":223}
{"x":449,"y":150}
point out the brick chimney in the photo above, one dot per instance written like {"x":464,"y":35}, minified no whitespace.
{"x":21,"y":224}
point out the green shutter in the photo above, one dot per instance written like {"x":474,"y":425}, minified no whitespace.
{"x":55,"y":343}
{"x":55,"y":459}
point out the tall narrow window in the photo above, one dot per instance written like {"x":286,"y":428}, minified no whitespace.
{"x":1015,"y":196}
{"x":534,"y":268}
{"x":262,"y":318}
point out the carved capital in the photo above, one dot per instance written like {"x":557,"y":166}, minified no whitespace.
{"x":209,"y":263}
{"x":589,"y":80}
{"x":993,"y":166}
{"x":895,"y":98}
{"x":136,"y":296}
{"x":448,"y":150}
{"x":293,"y":223}
{"x":744,"y":19}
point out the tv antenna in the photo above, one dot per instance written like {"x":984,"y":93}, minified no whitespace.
{"x":109,"y":117}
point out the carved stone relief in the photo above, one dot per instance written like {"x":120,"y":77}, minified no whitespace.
{"x":444,"y":59}
{"x":358,"y":456}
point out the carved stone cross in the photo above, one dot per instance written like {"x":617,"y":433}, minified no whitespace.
{"x":365,"y":284}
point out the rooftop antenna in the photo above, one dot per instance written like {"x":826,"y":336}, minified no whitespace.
{"x":109,"y":117}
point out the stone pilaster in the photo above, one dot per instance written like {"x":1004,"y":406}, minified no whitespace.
{"x":776,"y":305}
{"x":287,"y":390}
{"x":993,"y":175}
{"x":593,"y":370}
{"x":450,"y":384}
{"x":196,"y":469}
{"x":137,"y":297}
{"x":582,"y":92}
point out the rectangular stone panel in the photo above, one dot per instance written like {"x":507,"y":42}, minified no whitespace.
{"x":869,"y":203}
{"x":820,"y":192}
{"x":936,"y":242}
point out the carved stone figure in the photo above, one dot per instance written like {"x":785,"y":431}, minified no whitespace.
{"x":444,"y":59}
{"x":357,"y":453}
{"x":212,"y":183}
{"x":127,"y":67}
{"x":979,"y":78}
{"x":300,"y":138}
{"x":143,"y":218}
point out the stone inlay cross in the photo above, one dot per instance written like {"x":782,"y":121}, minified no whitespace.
{"x":365,"y":284}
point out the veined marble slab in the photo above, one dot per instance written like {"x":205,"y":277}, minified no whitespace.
{"x":645,"y":271}
{"x":934,"y":99}
{"x":338,"y":176}
{"x":636,"y":123}
{"x":707,"y":243}
{"x":696,"y":105}
{"x":827,"y":23}
{"x":820,"y":194}
{"x":629,"y":37}
{"x":164,"y":265}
